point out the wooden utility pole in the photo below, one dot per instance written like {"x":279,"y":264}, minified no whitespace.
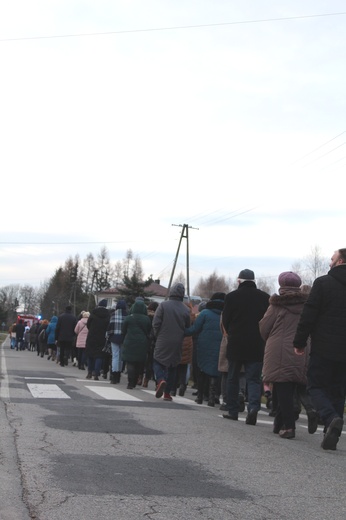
{"x":184,"y":234}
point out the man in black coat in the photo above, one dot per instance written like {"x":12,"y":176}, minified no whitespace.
{"x":243,"y":310}
{"x":64,"y":334}
{"x":324,"y":320}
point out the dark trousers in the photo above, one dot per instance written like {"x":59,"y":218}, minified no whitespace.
{"x":253,"y":370}
{"x":81,"y":357}
{"x":327,"y":387}
{"x":134,"y":370}
{"x":284,"y":417}
{"x":65,"y":351}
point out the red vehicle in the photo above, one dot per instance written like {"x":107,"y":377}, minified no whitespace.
{"x":29,"y":318}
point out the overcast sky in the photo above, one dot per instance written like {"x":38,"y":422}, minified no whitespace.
{"x":121,"y":120}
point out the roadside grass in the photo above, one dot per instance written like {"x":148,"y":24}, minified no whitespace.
{"x":3,"y":336}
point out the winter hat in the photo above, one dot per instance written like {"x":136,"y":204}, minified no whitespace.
{"x":218,"y":296}
{"x":103,"y":303}
{"x":246,"y":274}
{"x":289,"y":279}
{"x":85,"y":314}
{"x":121,"y":304}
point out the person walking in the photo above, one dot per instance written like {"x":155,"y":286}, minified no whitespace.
{"x":81,"y":330}
{"x":243,"y":310}
{"x":171,"y":319}
{"x":51,"y":344}
{"x":136,"y":333}
{"x":115,"y":336}
{"x":323,"y":320}
{"x":209,"y":336}
{"x":64,"y":334}
{"x":281,"y":366}
{"x":97,"y":325}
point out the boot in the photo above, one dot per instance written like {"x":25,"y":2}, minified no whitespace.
{"x":145,"y":382}
{"x":113,"y":378}
{"x":212,"y":389}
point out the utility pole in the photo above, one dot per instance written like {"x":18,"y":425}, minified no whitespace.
{"x":184,"y":234}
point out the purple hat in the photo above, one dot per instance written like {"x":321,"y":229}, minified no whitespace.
{"x":289,"y":279}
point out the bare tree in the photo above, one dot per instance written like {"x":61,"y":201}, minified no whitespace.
{"x":265,"y":285}
{"x":312,"y":266}
{"x":180,"y":278}
{"x":213,"y":283}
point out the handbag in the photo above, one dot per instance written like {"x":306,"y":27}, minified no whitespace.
{"x":107,"y":349}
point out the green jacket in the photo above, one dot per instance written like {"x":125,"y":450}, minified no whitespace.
{"x":136,"y":330}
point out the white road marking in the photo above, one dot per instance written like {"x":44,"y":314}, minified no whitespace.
{"x":47,"y":378}
{"x":47,"y":391}
{"x":112,"y":394}
{"x":176,"y":399}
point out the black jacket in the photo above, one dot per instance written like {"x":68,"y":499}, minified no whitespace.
{"x":97,"y":326}
{"x":65,"y":327}
{"x":243,"y":310}
{"x":324,"y":316}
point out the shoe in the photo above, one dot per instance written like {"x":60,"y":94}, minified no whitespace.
{"x":331,"y":437}
{"x":277,"y":427}
{"x":223,"y":407}
{"x":241,"y":400}
{"x":211,"y":402}
{"x":251,"y":417}
{"x":287,"y":434}
{"x":312,"y":421}
{"x":182,"y":389}
{"x":160,"y":388}
{"x":88,"y":376}
{"x":194,"y":393}
{"x":48,"y":358}
{"x":167,"y":397}
{"x":96,"y":378}
{"x":198,"y":400}
{"x":228,"y":416}
{"x":104,"y":375}
{"x":129,"y":387}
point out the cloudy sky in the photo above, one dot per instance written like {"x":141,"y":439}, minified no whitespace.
{"x":122,"y":120}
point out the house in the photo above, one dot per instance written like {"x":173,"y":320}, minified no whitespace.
{"x":157,"y":293}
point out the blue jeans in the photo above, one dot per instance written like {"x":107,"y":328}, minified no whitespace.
{"x":253,"y":373}
{"x":168,"y":374}
{"x":327,"y":387}
{"x":94,"y":365}
{"x":116,"y":358}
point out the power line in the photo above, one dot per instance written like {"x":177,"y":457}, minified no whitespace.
{"x":318,"y":148}
{"x":174,"y":28}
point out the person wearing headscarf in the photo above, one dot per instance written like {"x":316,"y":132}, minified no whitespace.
{"x":209,"y":336}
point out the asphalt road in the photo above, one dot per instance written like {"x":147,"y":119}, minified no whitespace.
{"x":72,"y":448}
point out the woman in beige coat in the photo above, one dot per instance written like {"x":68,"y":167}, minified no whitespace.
{"x":281,"y":366}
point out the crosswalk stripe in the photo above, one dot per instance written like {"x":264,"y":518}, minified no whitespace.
{"x":176,"y":399}
{"x":47,"y":391}
{"x":113,"y":394}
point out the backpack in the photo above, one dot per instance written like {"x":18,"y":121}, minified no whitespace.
{"x":42,"y":337}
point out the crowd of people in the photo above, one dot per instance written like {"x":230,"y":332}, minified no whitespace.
{"x":238,"y":348}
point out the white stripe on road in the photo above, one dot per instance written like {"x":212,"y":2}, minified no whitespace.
{"x":47,"y":391}
{"x":47,"y":378}
{"x":112,"y":394}
{"x":176,"y":399}
{"x":4,"y":383}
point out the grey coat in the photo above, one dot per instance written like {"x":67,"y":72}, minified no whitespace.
{"x":171,"y":319}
